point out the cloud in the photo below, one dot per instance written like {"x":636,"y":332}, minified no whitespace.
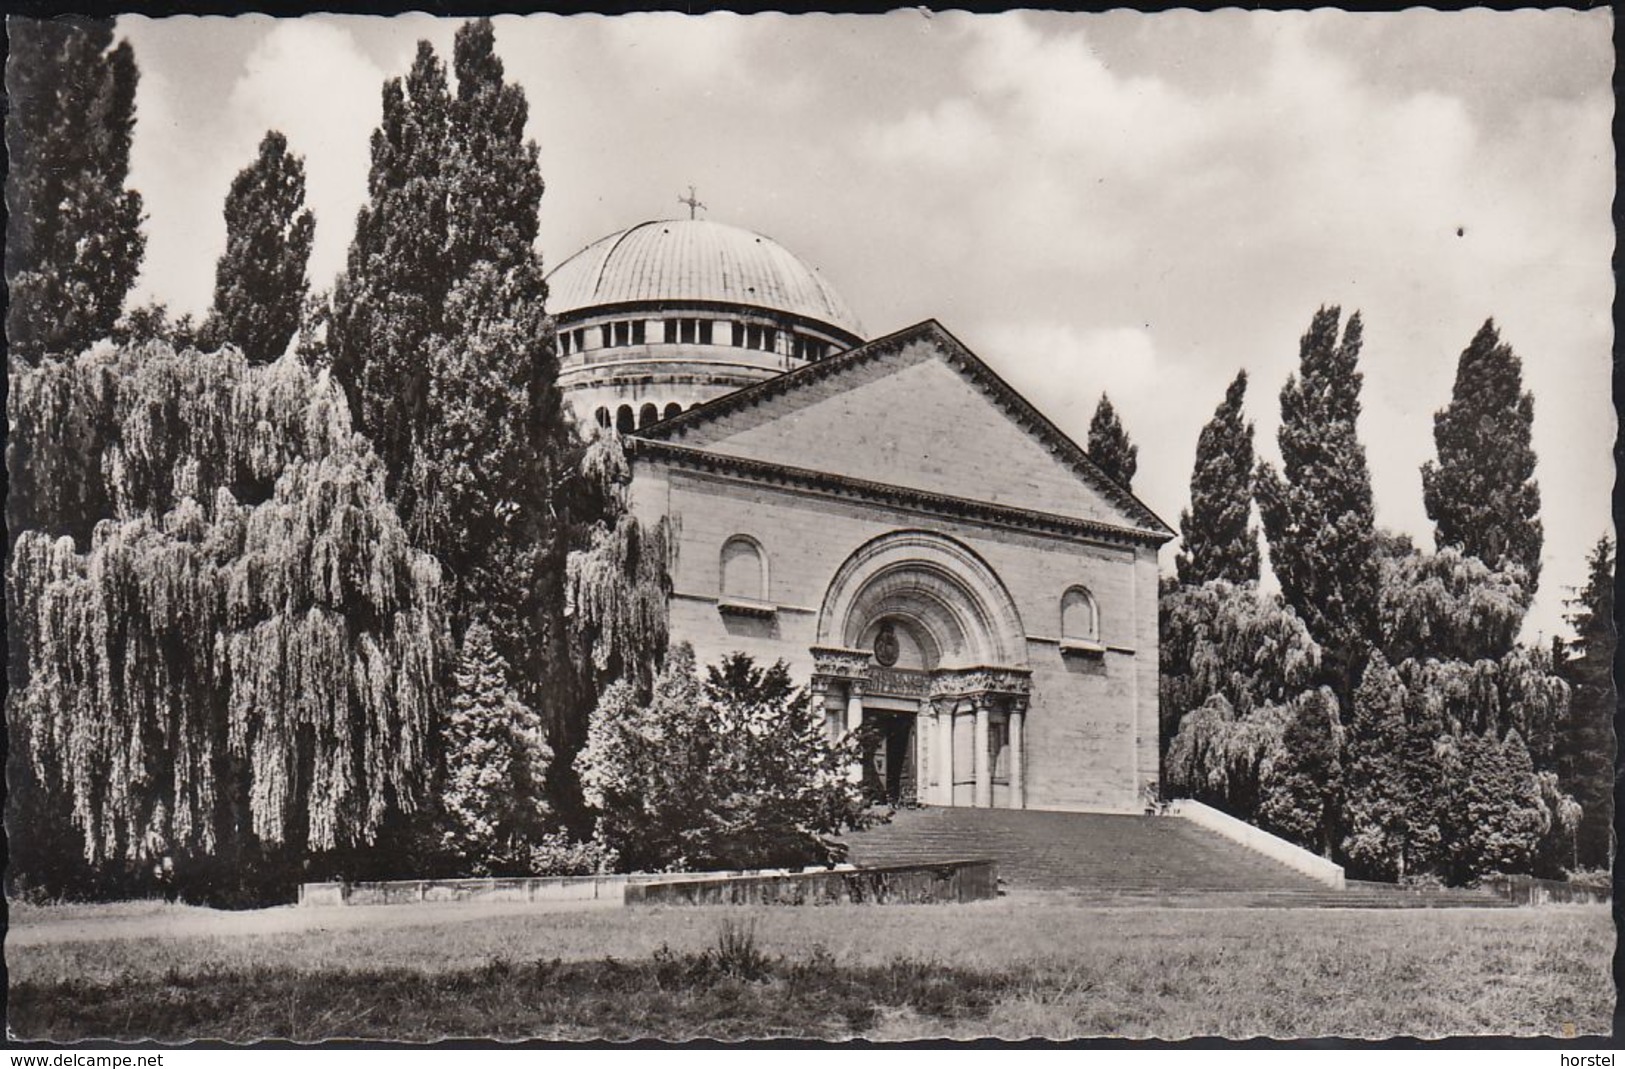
{"x":309,"y":79}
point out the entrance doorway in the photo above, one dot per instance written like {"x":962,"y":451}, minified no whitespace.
{"x":889,"y":773}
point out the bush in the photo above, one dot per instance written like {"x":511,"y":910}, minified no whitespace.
{"x":733,"y":772}
{"x":556,"y":854}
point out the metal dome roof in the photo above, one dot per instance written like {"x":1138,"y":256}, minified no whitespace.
{"x":695,"y":260}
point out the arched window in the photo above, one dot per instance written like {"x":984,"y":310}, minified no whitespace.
{"x":672,"y":410}
{"x":648,"y":414}
{"x":1079,"y":620}
{"x":602,"y":416}
{"x":623,"y":419}
{"x":744,"y":569}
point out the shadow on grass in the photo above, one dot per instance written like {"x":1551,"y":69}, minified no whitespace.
{"x":731,"y":992}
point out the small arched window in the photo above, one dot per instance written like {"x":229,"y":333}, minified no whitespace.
{"x":623,"y":419}
{"x":744,"y":570}
{"x":672,"y":410}
{"x":648,"y":414}
{"x":602,"y":416}
{"x":1079,"y":620}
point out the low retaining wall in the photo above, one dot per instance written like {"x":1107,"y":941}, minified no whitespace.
{"x":1530,"y":891}
{"x":1271,"y":846}
{"x":492,"y":889}
{"x":949,"y":881}
{"x":944,"y":881}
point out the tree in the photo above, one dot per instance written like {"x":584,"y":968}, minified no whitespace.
{"x":1109,"y":445}
{"x":1495,"y":817}
{"x":1377,"y":806}
{"x":1585,"y":744}
{"x":1219,"y":539}
{"x":1303,"y":780}
{"x":260,"y":284}
{"x":244,"y":658}
{"x":1317,"y":511}
{"x":730,"y":772}
{"x":73,"y":239}
{"x":1223,"y":639}
{"x":1445,"y":605}
{"x":440,"y":336}
{"x":496,"y":760}
{"x":1219,"y":758}
{"x":1481,"y":493}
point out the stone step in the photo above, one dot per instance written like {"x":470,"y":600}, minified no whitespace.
{"x":1126,"y":860}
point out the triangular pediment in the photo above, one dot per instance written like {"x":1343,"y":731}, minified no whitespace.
{"x":915,"y":410}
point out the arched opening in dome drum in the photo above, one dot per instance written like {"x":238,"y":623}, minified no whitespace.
{"x":671,"y":410}
{"x":602,"y":416}
{"x":623,"y":419}
{"x":647,"y":415}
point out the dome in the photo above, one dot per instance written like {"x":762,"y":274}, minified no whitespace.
{"x":683,"y":260}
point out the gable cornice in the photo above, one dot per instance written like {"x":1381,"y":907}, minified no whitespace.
{"x":963,"y":360}
{"x":762,"y":471}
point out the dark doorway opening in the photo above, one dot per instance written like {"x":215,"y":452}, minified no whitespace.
{"x":889,"y":774}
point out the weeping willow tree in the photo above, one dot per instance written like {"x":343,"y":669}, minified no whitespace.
{"x":244,"y":651}
{"x":618,"y":584}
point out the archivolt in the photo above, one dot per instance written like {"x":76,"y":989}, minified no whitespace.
{"x":936,"y":583}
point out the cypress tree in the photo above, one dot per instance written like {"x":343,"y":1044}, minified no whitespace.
{"x":259,"y":283}
{"x":1377,"y":808}
{"x":496,"y":762}
{"x":1303,"y":782}
{"x":1317,"y":511}
{"x":1481,"y":493}
{"x":1585,"y":743}
{"x":1109,"y":445}
{"x":73,"y":238}
{"x":1219,"y":539}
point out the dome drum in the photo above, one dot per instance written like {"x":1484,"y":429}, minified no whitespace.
{"x":688,"y":307}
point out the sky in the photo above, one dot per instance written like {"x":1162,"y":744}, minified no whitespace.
{"x":1120,"y":202}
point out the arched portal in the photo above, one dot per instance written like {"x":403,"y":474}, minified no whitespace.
{"x":921,"y":642}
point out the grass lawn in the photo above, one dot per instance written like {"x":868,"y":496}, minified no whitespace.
{"x":1025,"y":965}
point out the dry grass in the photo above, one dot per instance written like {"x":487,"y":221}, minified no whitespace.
{"x":1022,"y":966}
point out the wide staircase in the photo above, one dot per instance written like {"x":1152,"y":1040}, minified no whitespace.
{"x":1124,"y":860}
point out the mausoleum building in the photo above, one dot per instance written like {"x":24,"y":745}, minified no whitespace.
{"x":926,"y":550}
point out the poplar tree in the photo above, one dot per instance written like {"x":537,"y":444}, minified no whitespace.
{"x":1481,"y":493}
{"x":1317,"y":510}
{"x":73,"y":239}
{"x":1218,"y":538}
{"x":260,"y":283}
{"x":1303,"y":783}
{"x":1109,"y":445}
{"x":440,"y":336}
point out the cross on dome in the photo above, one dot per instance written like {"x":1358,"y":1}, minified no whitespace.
{"x":691,"y":201}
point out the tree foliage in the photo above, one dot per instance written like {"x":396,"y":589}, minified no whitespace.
{"x":259,"y":283}
{"x":1303,"y":780}
{"x":1586,"y":745}
{"x":1317,"y":510}
{"x":1481,"y":493}
{"x":1217,"y":533}
{"x":1445,"y":605}
{"x":1378,"y":806}
{"x":73,"y":238}
{"x":1224,"y":639}
{"x":496,"y":763}
{"x":1220,"y":758}
{"x":1109,"y":445}
{"x":730,"y":772}
{"x":440,"y":336}
{"x":245,"y":650}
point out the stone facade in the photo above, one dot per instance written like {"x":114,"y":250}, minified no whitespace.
{"x":942,"y":566}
